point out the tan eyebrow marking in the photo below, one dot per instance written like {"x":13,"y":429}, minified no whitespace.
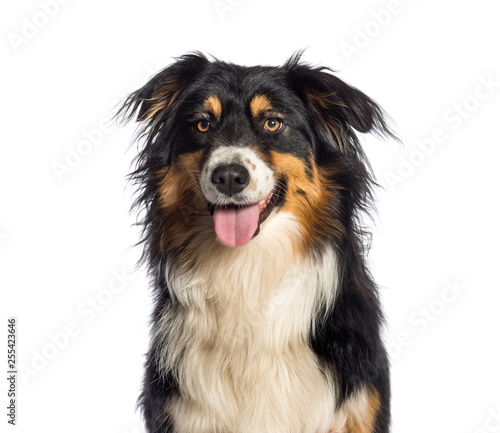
{"x":213,"y":105}
{"x":260,"y":104}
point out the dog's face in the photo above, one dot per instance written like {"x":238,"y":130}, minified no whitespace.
{"x":245,"y":128}
{"x":229,"y":147}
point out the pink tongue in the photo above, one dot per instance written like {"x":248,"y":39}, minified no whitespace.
{"x":235,"y":226}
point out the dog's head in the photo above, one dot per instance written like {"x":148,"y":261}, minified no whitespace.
{"x":227,"y":147}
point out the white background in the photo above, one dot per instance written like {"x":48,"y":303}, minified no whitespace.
{"x":65,"y":237}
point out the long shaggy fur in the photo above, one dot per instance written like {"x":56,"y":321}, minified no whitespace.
{"x":281,"y":333}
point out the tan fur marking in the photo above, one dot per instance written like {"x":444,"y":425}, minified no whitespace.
{"x":326,"y":100}
{"x":213,"y":105}
{"x":180,"y":195}
{"x":162,"y":99}
{"x":361,"y":412}
{"x":260,"y":104}
{"x":307,"y":197}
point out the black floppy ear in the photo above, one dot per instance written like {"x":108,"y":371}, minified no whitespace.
{"x":339,"y":106}
{"x":157,"y":97}
{"x":154,"y":106}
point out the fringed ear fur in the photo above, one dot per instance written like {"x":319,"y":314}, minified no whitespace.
{"x":158,"y":95}
{"x":339,"y":106}
{"x":154,"y":106}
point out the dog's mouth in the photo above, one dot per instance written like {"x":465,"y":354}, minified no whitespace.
{"x":236,"y":225}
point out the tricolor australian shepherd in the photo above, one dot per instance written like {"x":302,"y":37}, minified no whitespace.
{"x":252,"y":181}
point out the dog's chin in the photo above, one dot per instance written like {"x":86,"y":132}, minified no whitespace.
{"x":237,"y":224}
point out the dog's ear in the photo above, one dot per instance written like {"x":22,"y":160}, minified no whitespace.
{"x":155,"y":106}
{"x":338,"y":106}
{"x":158,"y":96}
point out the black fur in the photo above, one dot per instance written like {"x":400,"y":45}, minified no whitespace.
{"x":325,"y":112}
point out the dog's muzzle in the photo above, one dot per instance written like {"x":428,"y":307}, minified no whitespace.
{"x":239,"y":188}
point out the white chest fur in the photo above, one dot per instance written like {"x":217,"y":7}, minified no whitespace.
{"x":238,"y":342}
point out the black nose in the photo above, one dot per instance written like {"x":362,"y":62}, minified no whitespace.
{"x":230,"y":179}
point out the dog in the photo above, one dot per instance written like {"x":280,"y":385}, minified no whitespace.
{"x":252,"y":184}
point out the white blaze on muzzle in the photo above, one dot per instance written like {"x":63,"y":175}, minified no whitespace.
{"x":237,"y":216}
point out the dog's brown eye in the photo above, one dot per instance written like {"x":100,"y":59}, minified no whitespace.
{"x":273,"y":124}
{"x":203,"y":125}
